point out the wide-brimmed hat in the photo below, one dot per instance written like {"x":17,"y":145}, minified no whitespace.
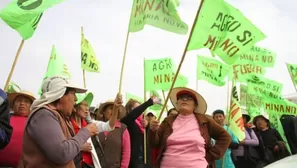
{"x":12,"y":96}
{"x":201,"y":103}
{"x":106,"y":103}
{"x":88,"y":97}
{"x":258,"y":117}
{"x":58,"y":82}
{"x":53,"y":88}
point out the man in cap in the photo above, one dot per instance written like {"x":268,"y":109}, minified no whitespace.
{"x":219,"y":117}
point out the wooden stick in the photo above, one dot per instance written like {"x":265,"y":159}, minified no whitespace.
{"x":144,"y":133}
{"x":13,"y":65}
{"x":291,"y":78}
{"x":182,"y":59}
{"x":164,"y":99}
{"x":84,"y":72}
{"x":84,"y":78}
{"x":197,"y":74}
{"x":123,"y":61}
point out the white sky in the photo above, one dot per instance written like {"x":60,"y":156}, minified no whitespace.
{"x":105,"y":25}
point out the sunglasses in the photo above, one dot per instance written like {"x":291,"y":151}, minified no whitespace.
{"x":185,"y":97}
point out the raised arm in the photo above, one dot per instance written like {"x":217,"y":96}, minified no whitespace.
{"x":131,"y":117}
{"x":51,"y":139}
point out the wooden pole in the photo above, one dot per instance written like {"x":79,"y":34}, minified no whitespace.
{"x":84,"y":78}
{"x":123,"y":61}
{"x":163,"y":93}
{"x":144,"y":133}
{"x":182,"y":60}
{"x":13,"y":65}
{"x":197,"y":74}
{"x":84,"y":72}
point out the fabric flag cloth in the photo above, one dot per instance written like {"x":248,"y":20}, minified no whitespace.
{"x":212,"y":70}
{"x":258,"y":56}
{"x":280,"y":107}
{"x":24,"y":16}
{"x":224,"y":30}
{"x":156,"y":107}
{"x":234,"y":116}
{"x":89,"y":61}
{"x":158,"y":13}
{"x":134,"y":97}
{"x":293,"y":72}
{"x":56,"y":66}
{"x":264,"y":87}
{"x":159,"y":74}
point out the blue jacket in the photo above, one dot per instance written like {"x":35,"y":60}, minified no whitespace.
{"x":228,"y":163}
{"x":5,"y":128}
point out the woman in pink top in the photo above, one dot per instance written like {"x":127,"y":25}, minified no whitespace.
{"x":20,"y":103}
{"x":115,"y":145}
{"x":184,"y":139}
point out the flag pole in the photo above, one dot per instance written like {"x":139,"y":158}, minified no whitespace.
{"x":13,"y":65}
{"x":144,"y":133}
{"x":182,"y":59}
{"x":291,"y":77}
{"x":84,"y":72}
{"x":163,"y":93}
{"x":123,"y":61}
{"x":84,"y":78}
{"x":196,"y":74}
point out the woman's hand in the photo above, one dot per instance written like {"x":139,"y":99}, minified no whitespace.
{"x":154,"y":125}
{"x":156,"y":100}
{"x":87,"y":147}
{"x":118,"y":100}
{"x":144,"y":123}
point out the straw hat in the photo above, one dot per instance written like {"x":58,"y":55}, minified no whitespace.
{"x":106,"y":103}
{"x":88,"y":97}
{"x":11,"y":96}
{"x":202,"y":106}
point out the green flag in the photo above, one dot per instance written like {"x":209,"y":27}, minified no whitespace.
{"x":293,"y":72}
{"x":158,"y":74}
{"x":134,"y":97}
{"x":155,"y":107}
{"x":56,"y":66}
{"x":212,"y":70}
{"x":24,"y":15}
{"x":89,"y":61}
{"x":158,"y":13}
{"x":280,"y":107}
{"x":258,"y":56}
{"x":264,"y":87}
{"x":240,"y":71}
{"x":249,"y":99}
{"x":224,"y":30}
{"x":181,"y":81}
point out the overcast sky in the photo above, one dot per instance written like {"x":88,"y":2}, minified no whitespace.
{"x":105,"y":25}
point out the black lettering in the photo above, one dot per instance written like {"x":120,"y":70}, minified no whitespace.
{"x":246,"y":34}
{"x":84,"y":57}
